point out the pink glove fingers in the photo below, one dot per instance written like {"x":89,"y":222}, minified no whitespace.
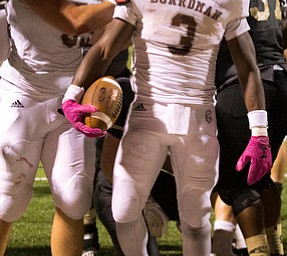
{"x":74,"y":113}
{"x":88,"y":131}
{"x":258,"y":152}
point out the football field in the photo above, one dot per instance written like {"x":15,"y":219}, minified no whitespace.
{"x":31,"y":234}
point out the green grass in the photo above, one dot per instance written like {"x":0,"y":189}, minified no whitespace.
{"x":31,"y":234}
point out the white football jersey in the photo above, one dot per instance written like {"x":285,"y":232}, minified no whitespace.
{"x":176,"y":44}
{"x":43,"y":60}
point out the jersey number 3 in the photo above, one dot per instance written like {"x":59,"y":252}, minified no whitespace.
{"x":185,"y":41}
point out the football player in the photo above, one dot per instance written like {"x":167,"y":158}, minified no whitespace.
{"x":32,"y":85}
{"x":256,"y":206}
{"x":175,"y":46}
{"x":161,"y":206}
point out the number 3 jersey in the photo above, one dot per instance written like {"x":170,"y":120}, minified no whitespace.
{"x":176,"y":44}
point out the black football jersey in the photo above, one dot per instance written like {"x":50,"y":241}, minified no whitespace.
{"x":266,"y":31}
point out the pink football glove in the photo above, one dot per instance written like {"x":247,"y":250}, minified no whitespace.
{"x":258,"y":152}
{"x":74,"y":113}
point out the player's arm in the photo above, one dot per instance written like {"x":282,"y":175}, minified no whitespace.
{"x":243,"y":54}
{"x":115,"y":38}
{"x":258,"y":150}
{"x":70,"y":18}
{"x":279,"y":167}
{"x":93,"y":67}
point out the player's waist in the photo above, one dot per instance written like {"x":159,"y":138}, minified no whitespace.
{"x":180,"y":119}
{"x":48,"y":85}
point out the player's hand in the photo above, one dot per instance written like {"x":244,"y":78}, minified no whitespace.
{"x":74,"y":113}
{"x":258,"y":152}
{"x":155,"y":218}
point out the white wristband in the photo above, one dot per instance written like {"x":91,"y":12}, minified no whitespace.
{"x":74,"y":92}
{"x":258,"y":122}
{"x":257,"y":118}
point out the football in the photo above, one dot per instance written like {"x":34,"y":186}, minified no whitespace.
{"x":107,"y":96}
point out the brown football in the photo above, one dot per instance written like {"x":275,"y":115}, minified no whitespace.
{"x":107,"y":96}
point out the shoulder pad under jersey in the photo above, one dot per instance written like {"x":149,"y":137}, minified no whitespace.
{"x":122,"y":2}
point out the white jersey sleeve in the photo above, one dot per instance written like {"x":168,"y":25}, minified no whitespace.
{"x":126,"y":13}
{"x":240,"y":25}
{"x":236,"y":28}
